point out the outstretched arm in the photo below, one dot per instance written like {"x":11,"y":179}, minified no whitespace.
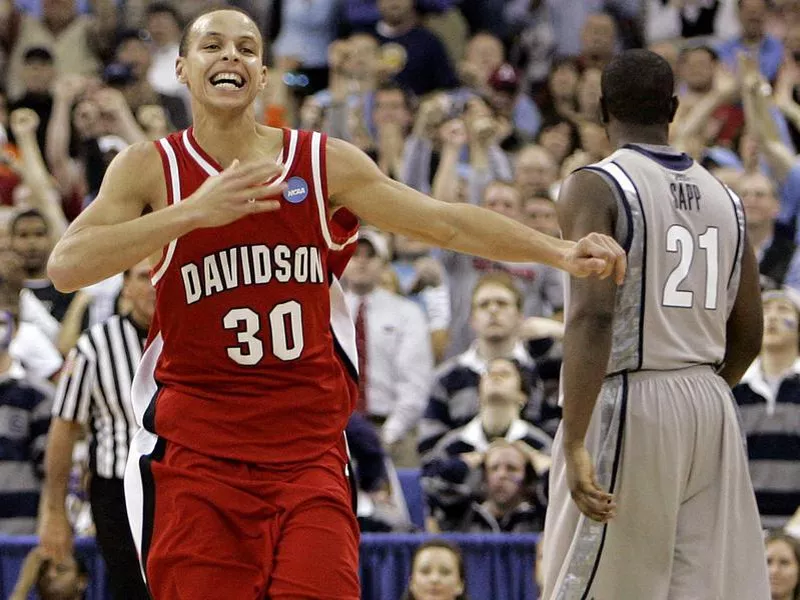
{"x":586,"y":204}
{"x":354,"y":182}
{"x":113,"y":234}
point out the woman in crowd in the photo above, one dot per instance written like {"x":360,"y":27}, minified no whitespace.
{"x":437,"y":573}
{"x":783,"y":560}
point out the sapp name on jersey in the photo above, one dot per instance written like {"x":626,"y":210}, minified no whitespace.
{"x":250,"y":265}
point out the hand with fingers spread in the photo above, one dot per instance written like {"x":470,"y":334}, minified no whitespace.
{"x":240,"y":190}
{"x":596,"y":254}
{"x":592,"y":501}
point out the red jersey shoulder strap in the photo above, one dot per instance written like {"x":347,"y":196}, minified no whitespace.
{"x":166,"y":147}
{"x":339,"y":228}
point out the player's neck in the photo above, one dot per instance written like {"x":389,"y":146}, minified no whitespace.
{"x":227,"y":137}
{"x":489,"y":350}
{"x":656,"y":135}
{"x":777,"y":362}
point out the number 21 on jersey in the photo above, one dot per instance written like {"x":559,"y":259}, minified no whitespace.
{"x":682,"y":241}
{"x":285,"y":328}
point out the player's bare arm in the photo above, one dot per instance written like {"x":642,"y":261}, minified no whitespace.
{"x":356,"y":183}
{"x":586,"y":204}
{"x":114,"y":233}
{"x":745,"y":327}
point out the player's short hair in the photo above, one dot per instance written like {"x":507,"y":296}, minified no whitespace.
{"x":499,"y":278}
{"x":186,"y":36}
{"x":30,"y":213}
{"x":637,"y":88}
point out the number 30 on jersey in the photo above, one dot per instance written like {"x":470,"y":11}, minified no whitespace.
{"x":286,"y":333}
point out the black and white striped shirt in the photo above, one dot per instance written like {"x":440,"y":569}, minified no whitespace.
{"x":95,"y":389}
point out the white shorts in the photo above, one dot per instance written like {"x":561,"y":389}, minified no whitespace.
{"x":668,"y":446}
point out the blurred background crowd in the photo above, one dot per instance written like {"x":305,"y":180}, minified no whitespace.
{"x":490,"y":102}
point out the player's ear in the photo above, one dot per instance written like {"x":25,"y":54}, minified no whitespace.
{"x":673,"y":107}
{"x":180,"y":70}
{"x":264,"y":78}
{"x":603,"y":111}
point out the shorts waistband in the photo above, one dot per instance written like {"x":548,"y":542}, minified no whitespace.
{"x":692,"y":371}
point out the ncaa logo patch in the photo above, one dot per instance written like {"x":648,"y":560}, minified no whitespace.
{"x":296,"y":190}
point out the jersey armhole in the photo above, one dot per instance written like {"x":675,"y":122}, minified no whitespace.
{"x":624,"y":224}
{"x":340,"y":228}
{"x":172,"y":178}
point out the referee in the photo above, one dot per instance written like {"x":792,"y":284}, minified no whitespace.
{"x":94,"y":390}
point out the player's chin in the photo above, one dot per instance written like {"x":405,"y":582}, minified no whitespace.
{"x":229,"y":98}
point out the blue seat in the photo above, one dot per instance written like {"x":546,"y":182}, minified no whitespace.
{"x":412,"y":491}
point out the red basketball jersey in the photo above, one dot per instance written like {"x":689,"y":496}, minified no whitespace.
{"x":251,"y":353}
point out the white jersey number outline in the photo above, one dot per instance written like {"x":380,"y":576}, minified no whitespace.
{"x":681,"y":240}
{"x":284,"y":317}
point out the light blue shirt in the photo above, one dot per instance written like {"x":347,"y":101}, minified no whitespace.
{"x":770,"y":55}
{"x":307,"y":29}
{"x":568,"y":16}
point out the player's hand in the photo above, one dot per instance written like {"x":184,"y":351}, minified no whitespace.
{"x":55,"y":535}
{"x":592,"y":501}
{"x":596,"y":254}
{"x":238,"y":191}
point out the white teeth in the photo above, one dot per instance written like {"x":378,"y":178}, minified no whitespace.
{"x":226,"y":85}
{"x":224,"y":79}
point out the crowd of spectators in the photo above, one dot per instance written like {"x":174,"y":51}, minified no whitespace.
{"x":490,"y":102}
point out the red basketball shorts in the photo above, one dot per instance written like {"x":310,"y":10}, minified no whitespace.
{"x":219,"y":529}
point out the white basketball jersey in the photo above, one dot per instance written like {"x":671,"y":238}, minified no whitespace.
{"x":683,"y":231}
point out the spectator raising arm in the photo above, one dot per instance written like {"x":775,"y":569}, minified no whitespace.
{"x":445,"y":181}
{"x":65,"y":93}
{"x":44,"y":196}
{"x":760,"y":122}
{"x":788,"y":79}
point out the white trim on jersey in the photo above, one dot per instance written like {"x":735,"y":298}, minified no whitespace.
{"x":144,"y":386}
{"x":621,"y":177}
{"x":293,"y":136}
{"x":143,"y":444}
{"x":143,"y":391}
{"x":198,"y":158}
{"x":175,"y":179}
{"x":322,"y":206}
{"x":342,"y":323}
{"x":212,"y":170}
